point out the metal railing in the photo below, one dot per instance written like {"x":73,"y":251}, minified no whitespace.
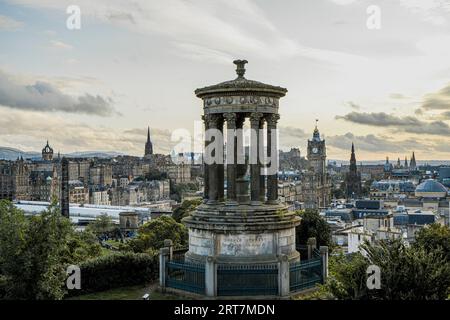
{"x":186,"y":276}
{"x":247,"y":280}
{"x":305,"y":274}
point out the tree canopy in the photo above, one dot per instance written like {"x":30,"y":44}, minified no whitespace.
{"x":35,"y":251}
{"x":152,"y":234}
{"x":313,"y":225}
{"x":185,"y":209}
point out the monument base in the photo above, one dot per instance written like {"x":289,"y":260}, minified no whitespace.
{"x":245,"y":234}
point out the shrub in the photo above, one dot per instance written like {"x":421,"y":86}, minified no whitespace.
{"x":117,"y":270}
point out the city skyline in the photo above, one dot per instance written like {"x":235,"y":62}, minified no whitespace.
{"x":133,"y":66}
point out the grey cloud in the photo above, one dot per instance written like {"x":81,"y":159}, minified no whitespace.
{"x":290,"y":136}
{"x":398,"y":96}
{"x":439,"y":100}
{"x":43,"y":96}
{"x":406,"y":124}
{"x":369,"y":142}
{"x":353,"y":105}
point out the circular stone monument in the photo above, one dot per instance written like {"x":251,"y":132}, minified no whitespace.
{"x":247,"y":225}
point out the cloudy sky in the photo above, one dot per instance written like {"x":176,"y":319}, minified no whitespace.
{"x":136,"y":63}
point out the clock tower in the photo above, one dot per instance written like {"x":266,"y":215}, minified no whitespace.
{"x":316,"y":183}
{"x":317,"y":153}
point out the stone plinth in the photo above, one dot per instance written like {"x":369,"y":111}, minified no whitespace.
{"x":243,"y":234}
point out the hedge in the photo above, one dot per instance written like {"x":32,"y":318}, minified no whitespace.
{"x":117,"y":270}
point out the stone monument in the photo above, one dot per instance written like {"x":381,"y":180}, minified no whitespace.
{"x":246,"y":224}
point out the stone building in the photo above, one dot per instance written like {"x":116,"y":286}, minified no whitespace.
{"x":316,"y":181}
{"x":353,"y":178}
{"x":179,"y":173}
{"x":99,"y":195}
{"x":100,"y":174}
{"x":78,"y":193}
{"x":14,"y":180}
{"x":40,"y":186}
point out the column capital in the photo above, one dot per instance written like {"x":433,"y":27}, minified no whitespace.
{"x":211,"y":120}
{"x":230,"y":117}
{"x":255,"y":117}
{"x":272,"y":120}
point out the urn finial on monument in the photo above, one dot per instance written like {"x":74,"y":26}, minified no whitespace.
{"x":240,"y":67}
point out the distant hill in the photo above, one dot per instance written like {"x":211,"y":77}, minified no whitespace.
{"x":381,"y":162}
{"x":12,"y":154}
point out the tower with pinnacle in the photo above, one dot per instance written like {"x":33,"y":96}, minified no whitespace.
{"x":353,"y":178}
{"x":316,"y":182}
{"x":148,"y":145}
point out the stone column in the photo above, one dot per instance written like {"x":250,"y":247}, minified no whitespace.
{"x":255,"y":183}
{"x":205,"y":166}
{"x":312,"y":244}
{"x":262,"y":177}
{"x":210,"y":277}
{"x":324,"y":254}
{"x":283,"y":276}
{"x":242,"y":195}
{"x":213,"y":177}
{"x":169,"y":245}
{"x":272,"y":180}
{"x":163,"y":258}
{"x":220,"y":167}
{"x":231,"y":157}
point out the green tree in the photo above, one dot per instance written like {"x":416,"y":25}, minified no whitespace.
{"x":35,"y":251}
{"x":433,"y":237}
{"x":32,"y":262}
{"x":102,"y":225}
{"x":407,"y":273}
{"x":313,"y":225}
{"x":152,"y":234}
{"x":347,"y":276}
{"x":185,"y":209}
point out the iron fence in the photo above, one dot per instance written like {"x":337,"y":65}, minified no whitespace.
{"x":247,"y":280}
{"x":186,"y":276}
{"x":305,"y":274}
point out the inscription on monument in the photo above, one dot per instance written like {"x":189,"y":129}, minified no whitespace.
{"x":250,"y":244}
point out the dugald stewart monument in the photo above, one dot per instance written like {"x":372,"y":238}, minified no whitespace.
{"x":246,"y":225}
{"x":241,"y":238}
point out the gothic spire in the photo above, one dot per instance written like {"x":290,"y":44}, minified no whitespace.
{"x":148,"y":144}
{"x":353,"y":159}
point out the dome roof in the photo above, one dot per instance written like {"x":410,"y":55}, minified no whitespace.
{"x":431,"y":188}
{"x":240,"y":84}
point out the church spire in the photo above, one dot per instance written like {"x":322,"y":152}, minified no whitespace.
{"x":353,"y":159}
{"x":148,"y":144}
{"x":412,"y":163}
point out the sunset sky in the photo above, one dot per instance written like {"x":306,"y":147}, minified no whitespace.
{"x":137,"y":63}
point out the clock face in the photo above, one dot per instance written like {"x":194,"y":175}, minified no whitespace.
{"x":315,"y":150}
